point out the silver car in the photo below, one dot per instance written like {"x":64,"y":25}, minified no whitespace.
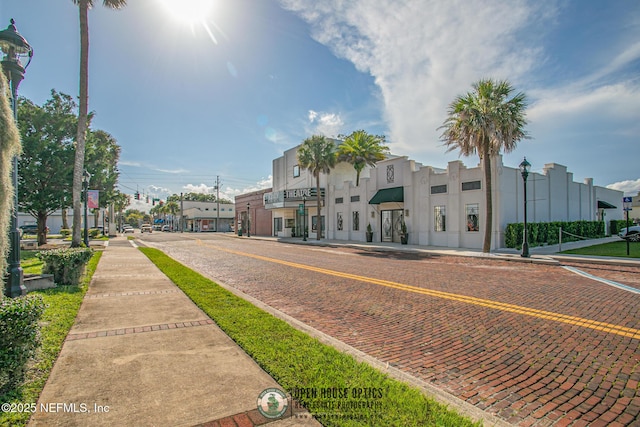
{"x":633,"y":233}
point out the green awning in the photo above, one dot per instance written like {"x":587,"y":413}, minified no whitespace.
{"x":395,"y":194}
{"x":604,"y":205}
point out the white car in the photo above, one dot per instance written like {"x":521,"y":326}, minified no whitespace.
{"x":127,"y":229}
{"x":633,"y":233}
{"x":146,"y":228}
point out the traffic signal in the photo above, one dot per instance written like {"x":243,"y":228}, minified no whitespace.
{"x":137,"y":196}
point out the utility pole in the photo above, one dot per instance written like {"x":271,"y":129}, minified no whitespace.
{"x":217,"y":188}
{"x":181,"y":213}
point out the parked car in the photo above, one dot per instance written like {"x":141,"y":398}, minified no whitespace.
{"x":146,"y":228}
{"x":127,"y":229}
{"x":31,"y":229}
{"x":166,"y":228}
{"x":633,"y":233}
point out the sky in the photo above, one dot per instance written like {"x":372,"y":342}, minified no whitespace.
{"x":198,"y":89}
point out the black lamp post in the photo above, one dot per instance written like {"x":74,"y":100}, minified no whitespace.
{"x":14,"y":47}
{"x":524,"y":170}
{"x":85,"y":184}
{"x":304,"y":218}
{"x":248,"y":219}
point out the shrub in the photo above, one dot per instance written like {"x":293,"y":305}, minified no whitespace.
{"x":66,"y":232}
{"x":539,"y":233}
{"x":18,"y":337}
{"x":66,"y":265}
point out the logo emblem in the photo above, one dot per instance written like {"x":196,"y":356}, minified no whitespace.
{"x":272,"y":403}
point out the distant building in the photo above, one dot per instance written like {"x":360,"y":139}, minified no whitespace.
{"x":252,"y":214}
{"x":204,"y":216}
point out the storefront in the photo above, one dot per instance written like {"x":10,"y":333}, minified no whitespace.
{"x":294,"y":211}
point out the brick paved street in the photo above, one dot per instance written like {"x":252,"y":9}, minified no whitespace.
{"x":533,"y":344}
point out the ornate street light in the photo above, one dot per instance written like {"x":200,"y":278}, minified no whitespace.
{"x":14,"y":47}
{"x":524,"y":170}
{"x":248,"y":219}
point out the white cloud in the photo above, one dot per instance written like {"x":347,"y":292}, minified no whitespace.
{"x":423,"y":53}
{"x":327,"y":124}
{"x":202,"y":188}
{"x":629,"y":187}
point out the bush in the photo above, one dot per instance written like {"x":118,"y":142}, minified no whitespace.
{"x":66,"y":265}
{"x":539,"y":233}
{"x":18,"y":337}
{"x":66,"y":232}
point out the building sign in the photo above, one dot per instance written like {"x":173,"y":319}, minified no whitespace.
{"x":277,"y":199}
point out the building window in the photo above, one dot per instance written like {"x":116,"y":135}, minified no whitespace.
{"x":440,"y":218}
{"x":339,"y":221}
{"x":471,"y":185}
{"x":472,"y":217}
{"x":339,"y":200}
{"x":438,"y":189}
{"x":355,"y":198}
{"x":390,"y":173}
{"x":296,"y":171}
{"x":356,"y":221}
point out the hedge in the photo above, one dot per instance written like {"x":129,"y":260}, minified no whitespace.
{"x":540,"y":233}
{"x":18,"y":337}
{"x":66,"y":265}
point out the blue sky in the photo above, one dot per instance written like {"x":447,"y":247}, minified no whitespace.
{"x":226,"y":93}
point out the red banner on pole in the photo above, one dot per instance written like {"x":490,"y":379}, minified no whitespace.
{"x":93,"y":197}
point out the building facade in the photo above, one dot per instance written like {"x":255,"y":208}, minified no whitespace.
{"x":440,"y":207}
{"x":251,"y":214}
{"x":204,"y":216}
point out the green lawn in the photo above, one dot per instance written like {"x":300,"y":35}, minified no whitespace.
{"x":613,"y":249}
{"x":62,"y":305}
{"x":296,"y":360}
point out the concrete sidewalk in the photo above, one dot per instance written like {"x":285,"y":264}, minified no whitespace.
{"x":142,"y":354}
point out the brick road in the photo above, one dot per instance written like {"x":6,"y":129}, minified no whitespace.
{"x":527,"y":367}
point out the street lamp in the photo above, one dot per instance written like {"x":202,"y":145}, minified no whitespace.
{"x":14,"y":47}
{"x":524,"y":171}
{"x":85,"y":185}
{"x":248,"y":219}
{"x":304,"y":218}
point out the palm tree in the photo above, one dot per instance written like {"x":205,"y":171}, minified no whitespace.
{"x":362,"y":149}
{"x":486,"y":121}
{"x":83,"y":113}
{"x":318,"y":155}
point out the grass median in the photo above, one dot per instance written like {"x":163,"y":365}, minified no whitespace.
{"x":297,"y":361}
{"x":611,"y":249}
{"x":62,"y":305}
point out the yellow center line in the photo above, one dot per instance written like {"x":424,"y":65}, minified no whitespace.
{"x":511,"y":308}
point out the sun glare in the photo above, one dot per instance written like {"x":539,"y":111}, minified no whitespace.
{"x":188,"y":11}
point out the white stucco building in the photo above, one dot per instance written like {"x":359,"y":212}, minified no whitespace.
{"x":441,"y":207}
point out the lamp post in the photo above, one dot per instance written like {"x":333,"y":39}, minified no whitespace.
{"x":14,"y":47}
{"x":304,"y":218}
{"x":85,"y":184}
{"x":524,"y":171}
{"x":248,"y":219}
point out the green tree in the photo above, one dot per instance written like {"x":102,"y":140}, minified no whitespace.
{"x":83,"y":114}
{"x":45,"y":167}
{"x":102,"y":155}
{"x":120,"y":201}
{"x":361,"y":149}
{"x":486,"y":121}
{"x":318,"y":155}
{"x":9,"y":147}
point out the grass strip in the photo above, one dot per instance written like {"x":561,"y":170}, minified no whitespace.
{"x":613,"y":249}
{"x":297,"y":361}
{"x":62,"y":305}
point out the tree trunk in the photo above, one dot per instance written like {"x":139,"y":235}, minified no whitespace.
{"x":78,"y":165}
{"x":65,"y":221}
{"x":486,"y":247}
{"x":42,"y":228}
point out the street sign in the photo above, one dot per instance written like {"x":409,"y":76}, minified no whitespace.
{"x":301,"y":209}
{"x":627,"y":204}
